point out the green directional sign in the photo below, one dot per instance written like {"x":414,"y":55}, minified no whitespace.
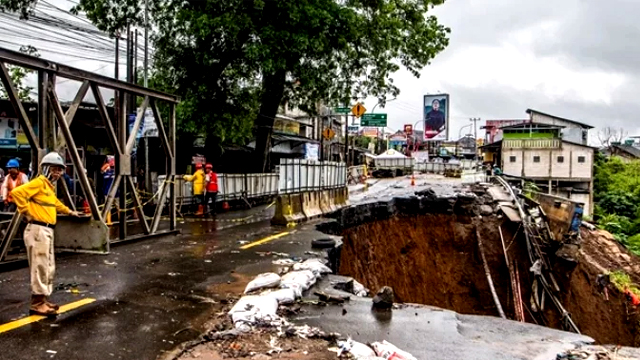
{"x":342,"y":110}
{"x":375,"y":120}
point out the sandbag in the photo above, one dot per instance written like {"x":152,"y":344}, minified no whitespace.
{"x":252,"y":309}
{"x":298,"y":281}
{"x":266,"y":280}
{"x":317,"y":266}
{"x":388,"y":351}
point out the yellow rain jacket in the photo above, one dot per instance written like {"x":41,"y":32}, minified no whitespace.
{"x":198,"y":181}
{"x":38,"y":199}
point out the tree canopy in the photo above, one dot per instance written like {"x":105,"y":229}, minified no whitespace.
{"x":235,"y":61}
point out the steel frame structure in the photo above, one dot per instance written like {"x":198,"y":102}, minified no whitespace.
{"x":54,"y":134}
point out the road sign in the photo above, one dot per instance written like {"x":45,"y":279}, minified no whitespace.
{"x":328,"y":133}
{"x":341,"y":110}
{"x":358,"y":110}
{"x":378,"y":120}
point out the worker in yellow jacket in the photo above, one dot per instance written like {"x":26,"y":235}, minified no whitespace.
{"x":37,"y":201}
{"x":198,"y":179}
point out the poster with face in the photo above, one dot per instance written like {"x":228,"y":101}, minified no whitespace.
{"x":436,"y":117}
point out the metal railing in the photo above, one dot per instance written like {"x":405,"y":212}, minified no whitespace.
{"x":531,"y":143}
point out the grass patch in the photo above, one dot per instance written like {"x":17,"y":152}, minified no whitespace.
{"x":623,"y":282}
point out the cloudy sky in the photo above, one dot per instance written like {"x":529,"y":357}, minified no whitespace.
{"x":572,"y":58}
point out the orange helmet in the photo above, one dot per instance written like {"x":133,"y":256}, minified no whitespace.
{"x":198,"y":166}
{"x":208,"y":166}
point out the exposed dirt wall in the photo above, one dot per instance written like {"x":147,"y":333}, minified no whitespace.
{"x":430,"y":259}
{"x":433,"y":259}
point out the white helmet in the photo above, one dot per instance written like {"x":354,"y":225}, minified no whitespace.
{"x":53,"y":159}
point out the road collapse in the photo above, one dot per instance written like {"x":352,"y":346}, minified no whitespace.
{"x":493,"y":251}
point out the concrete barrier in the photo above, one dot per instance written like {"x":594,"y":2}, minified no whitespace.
{"x":324,"y":202}
{"x":341,"y":197}
{"x":311,"y":204}
{"x":332,"y":200}
{"x":288,"y":209}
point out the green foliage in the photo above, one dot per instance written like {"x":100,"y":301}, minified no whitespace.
{"x":18,"y":75}
{"x":617,"y":195}
{"x":529,"y":188}
{"x":623,"y":282}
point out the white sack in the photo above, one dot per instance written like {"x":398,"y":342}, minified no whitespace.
{"x":266,"y":280}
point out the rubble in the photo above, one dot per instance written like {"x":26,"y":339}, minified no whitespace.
{"x":384,"y":298}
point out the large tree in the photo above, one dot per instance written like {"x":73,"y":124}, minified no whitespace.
{"x":239,"y":59}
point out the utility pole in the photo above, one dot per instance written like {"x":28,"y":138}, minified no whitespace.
{"x":146,"y":43}
{"x":475,"y":138}
{"x":346,"y":139}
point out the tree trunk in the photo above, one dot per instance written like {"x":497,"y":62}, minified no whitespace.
{"x":273,"y":90}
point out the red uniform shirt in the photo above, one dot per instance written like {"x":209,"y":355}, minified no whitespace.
{"x":212,"y":182}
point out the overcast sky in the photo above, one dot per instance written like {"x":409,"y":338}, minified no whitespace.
{"x":572,"y":58}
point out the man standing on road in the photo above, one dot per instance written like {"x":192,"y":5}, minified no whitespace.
{"x":12,"y":181}
{"x":37,"y":201}
{"x":198,"y":187}
{"x":211,"y":179}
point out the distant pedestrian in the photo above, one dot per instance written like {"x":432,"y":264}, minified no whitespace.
{"x":12,"y":181}
{"x":198,"y":188}
{"x":211,"y":179}
{"x":37,"y":201}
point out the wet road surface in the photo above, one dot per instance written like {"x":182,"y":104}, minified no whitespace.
{"x":150,"y":295}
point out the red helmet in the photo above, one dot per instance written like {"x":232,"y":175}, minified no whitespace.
{"x":198,"y":166}
{"x":208,"y":166}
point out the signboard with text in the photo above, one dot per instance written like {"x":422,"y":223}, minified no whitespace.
{"x":370,"y":132}
{"x":377,"y":120}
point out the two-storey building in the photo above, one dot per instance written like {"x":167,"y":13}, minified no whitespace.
{"x":549,"y":151}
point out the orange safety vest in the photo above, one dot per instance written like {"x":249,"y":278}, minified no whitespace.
{"x":12,"y":185}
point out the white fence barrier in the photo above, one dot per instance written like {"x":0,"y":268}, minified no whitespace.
{"x":473,"y":176}
{"x":292,"y":176}
{"x":298,"y":175}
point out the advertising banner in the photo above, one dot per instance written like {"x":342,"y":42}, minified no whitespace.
{"x":436,"y":117}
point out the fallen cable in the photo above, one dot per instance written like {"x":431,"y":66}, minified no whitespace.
{"x":489,"y":280}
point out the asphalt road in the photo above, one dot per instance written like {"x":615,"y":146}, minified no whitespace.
{"x":149,"y":295}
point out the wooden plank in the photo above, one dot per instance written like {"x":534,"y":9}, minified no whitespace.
{"x":172,"y":168}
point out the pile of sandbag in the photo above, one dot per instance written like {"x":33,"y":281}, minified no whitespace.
{"x":252,"y":310}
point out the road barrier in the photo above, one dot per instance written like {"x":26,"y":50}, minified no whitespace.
{"x":311,"y":204}
{"x":288,"y":209}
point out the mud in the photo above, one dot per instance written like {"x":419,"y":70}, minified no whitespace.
{"x":427,"y":250}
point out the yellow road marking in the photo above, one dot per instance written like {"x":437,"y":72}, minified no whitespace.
{"x":265,"y":240}
{"x":35,"y":318}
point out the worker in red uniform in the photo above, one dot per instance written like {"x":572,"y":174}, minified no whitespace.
{"x":211,"y":181}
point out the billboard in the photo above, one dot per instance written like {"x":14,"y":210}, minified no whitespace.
{"x":436,"y":117}
{"x":370,"y":132}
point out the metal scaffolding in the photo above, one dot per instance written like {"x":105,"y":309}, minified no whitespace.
{"x":54,"y":134}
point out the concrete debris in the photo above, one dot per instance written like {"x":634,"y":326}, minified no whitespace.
{"x":384,"y":298}
{"x":486,"y":210}
{"x":262,"y":281}
{"x":352,"y":287}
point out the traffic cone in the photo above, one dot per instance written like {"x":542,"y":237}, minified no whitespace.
{"x":85,"y":207}
{"x":225,"y":205}
{"x":108,"y":219}
{"x":413,"y":180}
